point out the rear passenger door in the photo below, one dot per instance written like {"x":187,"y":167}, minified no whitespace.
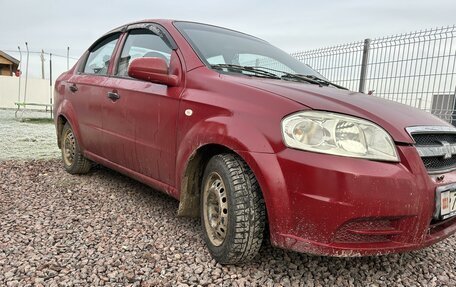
{"x":150,"y":108}
{"x":87,"y":93}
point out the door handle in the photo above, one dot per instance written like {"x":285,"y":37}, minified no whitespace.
{"x":113,"y":96}
{"x":73,"y":88}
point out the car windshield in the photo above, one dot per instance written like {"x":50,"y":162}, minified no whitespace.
{"x":219,"y":47}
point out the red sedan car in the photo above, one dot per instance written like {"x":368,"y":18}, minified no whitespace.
{"x":257,"y":143}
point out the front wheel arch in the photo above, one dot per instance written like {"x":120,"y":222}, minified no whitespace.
{"x":191,"y":181}
{"x":192,"y":178}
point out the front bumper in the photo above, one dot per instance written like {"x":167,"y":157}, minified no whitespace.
{"x":331,"y":205}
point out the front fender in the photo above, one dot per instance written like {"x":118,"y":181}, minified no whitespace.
{"x":256,"y":149}
{"x":224,"y":131}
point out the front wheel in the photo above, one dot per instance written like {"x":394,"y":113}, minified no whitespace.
{"x":232,"y":210}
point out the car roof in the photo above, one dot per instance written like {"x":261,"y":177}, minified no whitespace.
{"x":158,"y":21}
{"x":166,"y":22}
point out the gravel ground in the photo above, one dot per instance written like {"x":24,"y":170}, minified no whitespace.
{"x":105,"y":229}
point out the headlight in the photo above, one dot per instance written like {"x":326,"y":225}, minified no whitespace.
{"x":338,"y":134}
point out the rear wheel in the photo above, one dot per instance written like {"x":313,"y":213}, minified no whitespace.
{"x":73,"y":160}
{"x":232,"y":210}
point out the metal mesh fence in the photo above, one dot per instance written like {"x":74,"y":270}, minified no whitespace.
{"x":341,"y":64}
{"x":416,"y":69}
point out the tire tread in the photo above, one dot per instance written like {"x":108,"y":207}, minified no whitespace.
{"x":249,"y":212}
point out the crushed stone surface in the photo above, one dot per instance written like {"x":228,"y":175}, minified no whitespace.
{"x":104,"y":229}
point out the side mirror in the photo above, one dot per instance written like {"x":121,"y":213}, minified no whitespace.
{"x":152,"y":69}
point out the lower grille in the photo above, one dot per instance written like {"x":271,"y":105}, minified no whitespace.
{"x":366,"y":231}
{"x":435,"y":164}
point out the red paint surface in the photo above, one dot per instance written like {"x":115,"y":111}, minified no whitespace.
{"x":309,"y":197}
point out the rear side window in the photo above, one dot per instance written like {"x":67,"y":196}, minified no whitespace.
{"x":100,"y":56}
{"x":142,"y":43}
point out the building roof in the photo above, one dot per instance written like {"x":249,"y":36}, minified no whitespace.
{"x":9,"y":58}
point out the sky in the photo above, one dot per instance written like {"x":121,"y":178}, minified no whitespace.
{"x":291,"y":25}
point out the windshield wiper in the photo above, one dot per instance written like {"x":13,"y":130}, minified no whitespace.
{"x":300,"y":78}
{"x":307,"y":78}
{"x":253,"y":70}
{"x":263,"y":72}
{"x":323,"y":81}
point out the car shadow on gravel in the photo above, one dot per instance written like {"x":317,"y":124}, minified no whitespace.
{"x":104,"y":228}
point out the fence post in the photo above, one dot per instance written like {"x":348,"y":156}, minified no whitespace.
{"x":364,"y":63}
{"x":20,"y":74}
{"x":26,"y":73}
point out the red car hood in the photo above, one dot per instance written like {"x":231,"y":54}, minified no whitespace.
{"x":392,"y":116}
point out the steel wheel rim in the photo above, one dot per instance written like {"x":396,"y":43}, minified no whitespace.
{"x":215,"y":209}
{"x":69,"y":148}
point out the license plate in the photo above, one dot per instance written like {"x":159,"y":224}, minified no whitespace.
{"x":447,"y":204}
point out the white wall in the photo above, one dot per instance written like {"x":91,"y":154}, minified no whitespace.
{"x":38,"y":91}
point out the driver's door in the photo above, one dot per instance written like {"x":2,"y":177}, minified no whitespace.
{"x":148,"y":110}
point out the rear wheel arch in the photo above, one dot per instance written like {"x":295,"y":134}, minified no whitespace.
{"x":72,"y":157}
{"x":66,"y":114}
{"x":67,"y":117}
{"x":61,"y":121}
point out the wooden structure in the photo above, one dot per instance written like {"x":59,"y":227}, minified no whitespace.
{"x":8,"y":64}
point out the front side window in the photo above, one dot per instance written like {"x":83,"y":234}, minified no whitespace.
{"x":100,"y":55}
{"x":142,"y":43}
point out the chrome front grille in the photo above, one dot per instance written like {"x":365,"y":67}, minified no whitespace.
{"x":433,"y":139}
{"x":436,"y":146}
